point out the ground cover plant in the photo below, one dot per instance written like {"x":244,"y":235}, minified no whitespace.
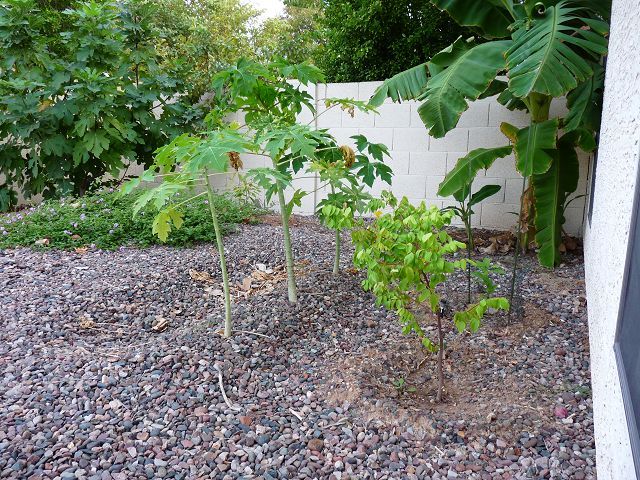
{"x":408,"y":256}
{"x":105,"y":220}
{"x":546,"y":50}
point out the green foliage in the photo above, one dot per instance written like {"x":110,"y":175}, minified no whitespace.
{"x":407,"y":254}
{"x":371,"y":40}
{"x":105,"y":219}
{"x":547,"y":49}
{"x":81,"y":95}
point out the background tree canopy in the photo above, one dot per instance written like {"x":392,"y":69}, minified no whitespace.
{"x":368,"y":40}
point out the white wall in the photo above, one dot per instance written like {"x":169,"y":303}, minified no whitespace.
{"x":607,"y":236}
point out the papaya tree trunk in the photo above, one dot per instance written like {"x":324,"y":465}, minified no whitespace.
{"x":288,"y":252}
{"x":223,"y":263}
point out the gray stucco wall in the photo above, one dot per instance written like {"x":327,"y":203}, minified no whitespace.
{"x":607,"y":235}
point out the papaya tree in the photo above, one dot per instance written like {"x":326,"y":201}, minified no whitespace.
{"x":184,"y":169}
{"x":531,"y":52}
{"x":346,"y":174}
{"x":270,"y":99}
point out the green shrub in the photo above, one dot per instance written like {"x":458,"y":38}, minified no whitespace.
{"x":106,"y":221}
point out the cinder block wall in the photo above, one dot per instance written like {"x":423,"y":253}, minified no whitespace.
{"x":420,"y":162}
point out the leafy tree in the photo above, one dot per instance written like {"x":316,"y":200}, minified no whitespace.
{"x":199,"y":38}
{"x":295,"y":35}
{"x":374,"y":39}
{"x":546,"y":49}
{"x":407,"y":254}
{"x":77,"y":104}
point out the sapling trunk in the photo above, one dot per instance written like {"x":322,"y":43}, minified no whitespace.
{"x":336,"y":262}
{"x":440,"y":358}
{"x":288,"y":253}
{"x":467,"y":224}
{"x":223,"y":263}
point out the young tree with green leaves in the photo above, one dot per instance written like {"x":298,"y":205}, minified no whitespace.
{"x":407,"y":254}
{"x":546,"y":50}
{"x":185,"y":166}
{"x":81,"y":95}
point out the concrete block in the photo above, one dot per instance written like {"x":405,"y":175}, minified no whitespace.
{"x":251,"y":160}
{"x":513,"y":190}
{"x":499,"y":113}
{"x":558,"y":108}
{"x":342,"y":136}
{"x":366,"y":90}
{"x":499,"y":215}
{"x":329,"y":117}
{"x":409,"y":186}
{"x":359,"y":119}
{"x":414,"y":117}
{"x":574,"y":220}
{"x":456,"y":140}
{"x":393,"y":115}
{"x":476,"y":116}
{"x":503,"y":168}
{"x":342,"y":90}
{"x":399,"y":162}
{"x":378,"y":135}
{"x":428,"y":163}
{"x":486,"y":137}
{"x":410,"y":139}
{"x":432,"y":184}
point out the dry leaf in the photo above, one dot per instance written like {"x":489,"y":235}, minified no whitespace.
{"x":160,"y":324}
{"x":200,"y":276}
{"x":570,"y":243}
{"x":75,"y":236}
{"x":246,"y":284}
{"x":42,"y":241}
{"x":82,"y":250}
{"x":492,"y":249}
{"x":213,"y":291}
{"x":86,"y":322}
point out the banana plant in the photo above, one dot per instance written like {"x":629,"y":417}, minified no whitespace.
{"x":464,"y":211}
{"x":545,"y":49}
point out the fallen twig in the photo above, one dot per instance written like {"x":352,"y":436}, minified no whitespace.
{"x":224,"y":395}
{"x":296,"y":414}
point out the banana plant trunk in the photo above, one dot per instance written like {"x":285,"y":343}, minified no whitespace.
{"x":223,"y":263}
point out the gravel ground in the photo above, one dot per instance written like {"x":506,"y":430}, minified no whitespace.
{"x":90,"y":391}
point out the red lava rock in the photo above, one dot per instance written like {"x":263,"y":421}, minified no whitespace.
{"x":561,"y":352}
{"x":315,"y":444}
{"x":561,"y":412}
{"x":245,"y":420}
